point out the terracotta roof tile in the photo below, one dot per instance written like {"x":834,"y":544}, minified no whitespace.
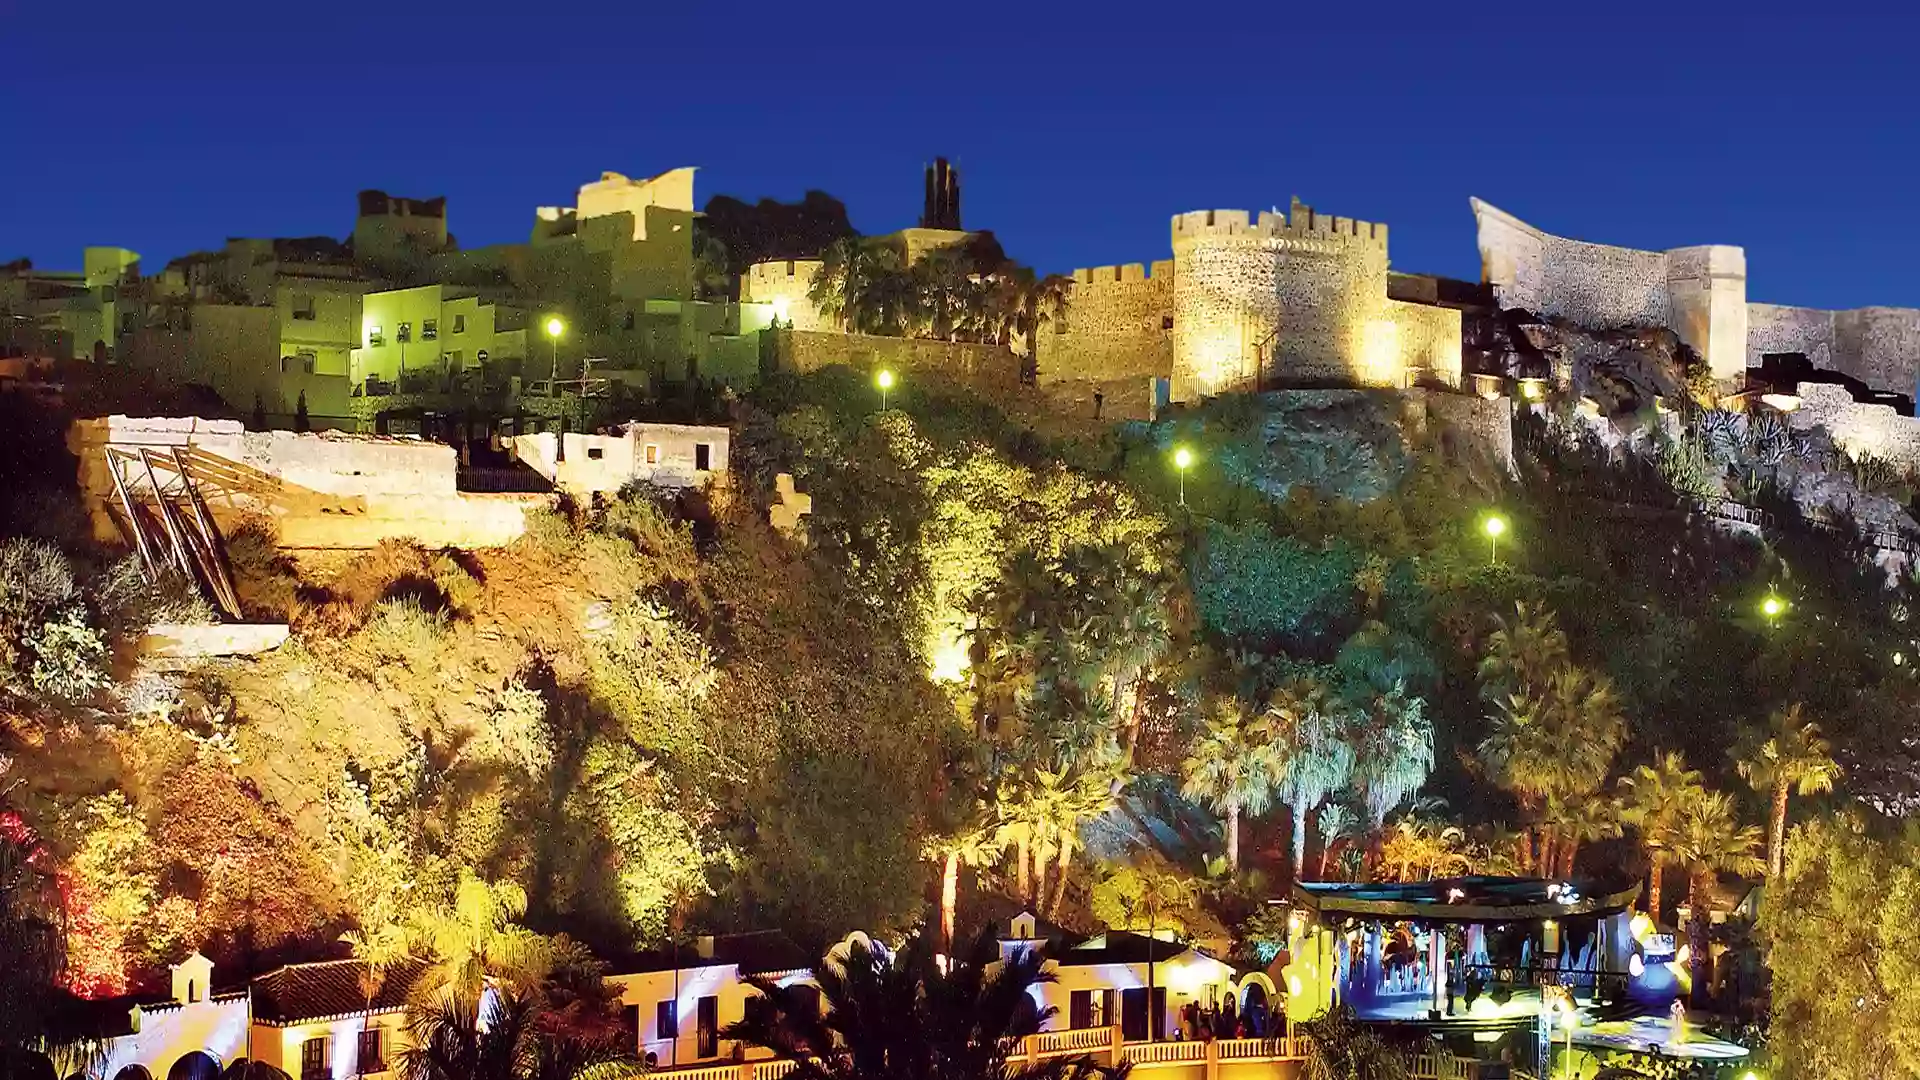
{"x":330,"y":988}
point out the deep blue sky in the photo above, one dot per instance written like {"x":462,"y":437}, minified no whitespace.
{"x":1079,"y":129}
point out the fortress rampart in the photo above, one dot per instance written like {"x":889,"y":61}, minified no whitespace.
{"x":1252,"y":300}
{"x":784,"y":284}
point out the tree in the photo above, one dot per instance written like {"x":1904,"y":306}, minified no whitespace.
{"x":1792,"y":757}
{"x":1838,"y":925}
{"x":1521,"y":652}
{"x":1554,"y":739}
{"x":1654,"y":797}
{"x":1342,"y":1048}
{"x":897,"y":1016}
{"x":1580,"y":819}
{"x":975,"y":841}
{"x":476,"y":936}
{"x":1233,"y":767}
{"x":1310,"y":726}
{"x":506,"y":1036}
{"x":1392,"y":752}
{"x":32,"y":935}
{"x":1708,"y":840}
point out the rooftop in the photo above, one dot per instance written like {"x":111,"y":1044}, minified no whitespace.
{"x":1468,"y":899}
{"x":330,"y":988}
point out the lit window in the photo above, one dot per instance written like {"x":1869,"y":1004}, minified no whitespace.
{"x":653,"y":454}
{"x":459,"y":324}
{"x":429,"y":329}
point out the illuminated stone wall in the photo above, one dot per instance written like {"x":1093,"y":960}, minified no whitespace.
{"x":988,"y":369}
{"x":1303,"y":294}
{"x":782,"y":285}
{"x":1700,"y":292}
{"x":1116,"y":326}
{"x":1858,"y":427}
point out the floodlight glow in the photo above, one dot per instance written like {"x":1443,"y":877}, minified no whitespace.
{"x":554,"y":327}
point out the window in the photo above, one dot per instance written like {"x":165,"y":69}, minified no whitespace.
{"x":702,"y":457}
{"x":595,"y":453}
{"x":459,"y":324}
{"x":308,"y":361}
{"x":313,"y":1059}
{"x":1080,"y":1009}
{"x":193,"y":991}
{"x":666,"y":1020}
{"x":302,"y":307}
{"x":1166,"y":323}
{"x":372,"y":1057}
{"x":429,"y":329}
{"x":404,"y":334}
{"x":628,"y":322}
{"x":653,"y":454}
{"x":374,"y":337}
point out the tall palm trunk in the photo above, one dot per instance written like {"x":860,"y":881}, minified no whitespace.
{"x":1024,"y":871}
{"x":949,"y":898}
{"x":1523,"y":850}
{"x":1060,"y":879}
{"x":1039,"y":878}
{"x":1698,"y":883}
{"x":1233,"y":837}
{"x":1549,"y":850}
{"x":1300,"y":809}
{"x":1654,"y":870}
{"x":1568,"y":849}
{"x":1326,"y":851}
{"x":1777,"y":837}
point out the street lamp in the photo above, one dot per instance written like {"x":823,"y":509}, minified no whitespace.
{"x":1494,"y":526}
{"x":1773,"y":607}
{"x":554,"y":329}
{"x":1182,"y":461}
{"x":884,"y":380}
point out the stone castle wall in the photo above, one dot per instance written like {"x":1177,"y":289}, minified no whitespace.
{"x":784,"y":284}
{"x":1777,"y":328}
{"x":988,"y":369}
{"x":1858,"y":427}
{"x":1116,"y":326}
{"x":1698,"y":291}
{"x":1297,"y":297}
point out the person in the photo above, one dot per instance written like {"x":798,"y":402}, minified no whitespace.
{"x":1450,"y":989}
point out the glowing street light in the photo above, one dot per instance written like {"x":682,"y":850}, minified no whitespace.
{"x":1773,"y":607}
{"x":1182,"y":461}
{"x":554,"y":329}
{"x":884,"y":380}
{"x":1494,"y":526}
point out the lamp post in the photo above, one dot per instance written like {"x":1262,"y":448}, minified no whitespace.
{"x":1773,"y":607}
{"x":1182,"y":461}
{"x":554,"y":329}
{"x":884,"y":380}
{"x":1495,"y":525}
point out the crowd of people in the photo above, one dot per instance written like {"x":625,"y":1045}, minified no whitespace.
{"x":1227,"y":1021}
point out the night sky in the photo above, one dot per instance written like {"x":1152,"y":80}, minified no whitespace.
{"x":1079,"y":129}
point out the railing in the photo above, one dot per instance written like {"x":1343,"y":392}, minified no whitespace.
{"x":1515,"y":975}
{"x":1160,"y":1053}
{"x":1440,"y":1067}
{"x":1073,"y":1040}
{"x":1097,"y":1041}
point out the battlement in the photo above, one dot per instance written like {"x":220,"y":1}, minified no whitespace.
{"x":1130,"y":273}
{"x":1301,"y":224}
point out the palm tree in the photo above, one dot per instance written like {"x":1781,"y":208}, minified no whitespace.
{"x":1392,"y":753}
{"x":1655,"y":795}
{"x":974,"y":841}
{"x":1234,"y":767}
{"x":1521,"y":651}
{"x":897,"y":1016}
{"x":477,"y":937}
{"x":1578,"y":820}
{"x":1342,"y":1048}
{"x":1792,"y":758}
{"x":506,"y":1037}
{"x":1335,"y":823}
{"x":379,"y":948}
{"x":1708,"y":839}
{"x":836,"y":286}
{"x":1556,"y":739}
{"x":1310,"y":725}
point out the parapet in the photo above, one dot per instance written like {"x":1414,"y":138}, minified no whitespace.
{"x":1130,"y":273}
{"x":1706,"y":261}
{"x":1302,"y":224}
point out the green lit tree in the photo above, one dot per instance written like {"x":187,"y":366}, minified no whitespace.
{"x":1392,"y":743}
{"x":1310,"y":726}
{"x":1654,"y":796}
{"x":1233,"y":767}
{"x":1708,"y":839}
{"x":1790,"y":757}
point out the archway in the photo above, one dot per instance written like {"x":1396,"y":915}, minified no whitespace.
{"x":195,"y":1065}
{"x":1259,"y":1003}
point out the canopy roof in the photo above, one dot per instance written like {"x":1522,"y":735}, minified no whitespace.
{"x":1467,"y":899}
